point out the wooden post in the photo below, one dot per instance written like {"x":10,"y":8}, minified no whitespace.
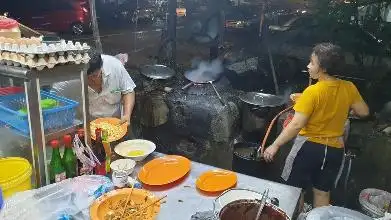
{"x":95,"y":28}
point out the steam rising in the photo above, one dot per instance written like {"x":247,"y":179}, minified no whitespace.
{"x":205,"y":71}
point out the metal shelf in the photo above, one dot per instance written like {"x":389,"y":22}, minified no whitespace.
{"x":33,"y":80}
{"x":58,"y":134}
{"x":55,"y":134}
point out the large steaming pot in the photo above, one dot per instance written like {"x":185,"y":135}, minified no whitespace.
{"x":258,"y":111}
{"x":236,"y":204}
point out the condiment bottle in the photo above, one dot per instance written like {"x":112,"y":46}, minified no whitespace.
{"x":106,"y":145}
{"x":100,"y":153}
{"x":57,"y":171}
{"x":69,"y":160}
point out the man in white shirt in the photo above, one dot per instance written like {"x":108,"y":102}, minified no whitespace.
{"x":110,"y":88}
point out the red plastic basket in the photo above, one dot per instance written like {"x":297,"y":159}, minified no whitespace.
{"x":11,"y":90}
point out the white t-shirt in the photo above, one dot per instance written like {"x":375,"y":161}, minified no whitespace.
{"x":116,"y":82}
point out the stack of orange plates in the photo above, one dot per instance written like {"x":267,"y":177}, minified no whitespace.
{"x":164,"y":170}
{"x":216,"y":181}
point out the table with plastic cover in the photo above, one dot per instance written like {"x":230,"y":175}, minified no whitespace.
{"x":183,"y":200}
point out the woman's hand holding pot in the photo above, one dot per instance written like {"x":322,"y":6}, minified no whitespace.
{"x":270,"y":152}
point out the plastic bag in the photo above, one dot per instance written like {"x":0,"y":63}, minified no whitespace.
{"x":375,"y":202}
{"x":69,"y":199}
{"x":335,"y":213}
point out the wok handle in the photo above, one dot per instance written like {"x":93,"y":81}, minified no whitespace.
{"x":187,"y":86}
{"x":217,"y":93}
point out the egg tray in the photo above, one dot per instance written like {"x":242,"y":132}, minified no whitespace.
{"x":41,"y":61}
{"x":36,"y":46}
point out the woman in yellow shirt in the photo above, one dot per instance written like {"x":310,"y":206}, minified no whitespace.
{"x":318,"y":125}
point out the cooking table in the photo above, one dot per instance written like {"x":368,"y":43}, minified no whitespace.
{"x":183,"y":200}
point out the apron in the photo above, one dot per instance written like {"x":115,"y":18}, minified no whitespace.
{"x":298,"y":144}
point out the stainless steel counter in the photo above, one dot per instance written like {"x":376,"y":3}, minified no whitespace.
{"x":184,"y":200}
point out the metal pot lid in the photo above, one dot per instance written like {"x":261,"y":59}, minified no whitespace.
{"x":262,"y":99}
{"x":335,"y":212}
{"x":157,"y":71}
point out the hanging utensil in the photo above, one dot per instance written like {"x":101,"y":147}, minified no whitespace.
{"x":217,"y":93}
{"x":187,"y":86}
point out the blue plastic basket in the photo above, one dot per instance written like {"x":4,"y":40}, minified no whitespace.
{"x":54,"y":119}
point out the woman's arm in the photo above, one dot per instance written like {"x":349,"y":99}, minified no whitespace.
{"x":360,"y":109}
{"x":298,"y":122}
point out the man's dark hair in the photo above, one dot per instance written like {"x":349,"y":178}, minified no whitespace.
{"x":96,"y":61}
{"x":330,"y":57}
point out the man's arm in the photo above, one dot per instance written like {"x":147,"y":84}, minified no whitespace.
{"x":128,"y":101}
{"x":128,"y":95}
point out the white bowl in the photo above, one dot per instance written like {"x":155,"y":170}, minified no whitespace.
{"x":126,"y":165}
{"x":125,"y":147}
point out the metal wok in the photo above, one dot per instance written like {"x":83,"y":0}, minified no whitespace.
{"x":157,"y":71}
{"x":205,"y":77}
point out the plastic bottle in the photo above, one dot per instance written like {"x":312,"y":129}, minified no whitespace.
{"x":57,"y":171}
{"x":69,"y":160}
{"x":106,"y":145}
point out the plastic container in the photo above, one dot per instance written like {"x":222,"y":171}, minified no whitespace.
{"x":15,"y":175}
{"x":335,"y":212}
{"x":55,"y":118}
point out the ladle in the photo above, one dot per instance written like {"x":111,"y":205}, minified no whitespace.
{"x":263,"y":202}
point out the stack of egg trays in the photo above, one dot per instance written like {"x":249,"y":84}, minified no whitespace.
{"x":43,"y":55}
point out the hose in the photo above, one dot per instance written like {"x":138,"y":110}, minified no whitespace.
{"x":261,"y":149}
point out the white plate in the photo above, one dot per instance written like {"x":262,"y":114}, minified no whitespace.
{"x":125,"y":147}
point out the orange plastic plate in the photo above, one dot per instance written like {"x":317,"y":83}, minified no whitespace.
{"x":164,"y":170}
{"x":103,"y":206}
{"x":216,"y":180}
{"x":118,"y":130}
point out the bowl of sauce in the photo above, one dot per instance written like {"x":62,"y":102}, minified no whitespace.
{"x":247,"y":209}
{"x":136,"y":150}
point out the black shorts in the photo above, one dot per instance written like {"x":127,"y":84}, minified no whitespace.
{"x":316,"y":165}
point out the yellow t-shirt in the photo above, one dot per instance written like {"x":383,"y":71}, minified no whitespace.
{"x":327,"y":104}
